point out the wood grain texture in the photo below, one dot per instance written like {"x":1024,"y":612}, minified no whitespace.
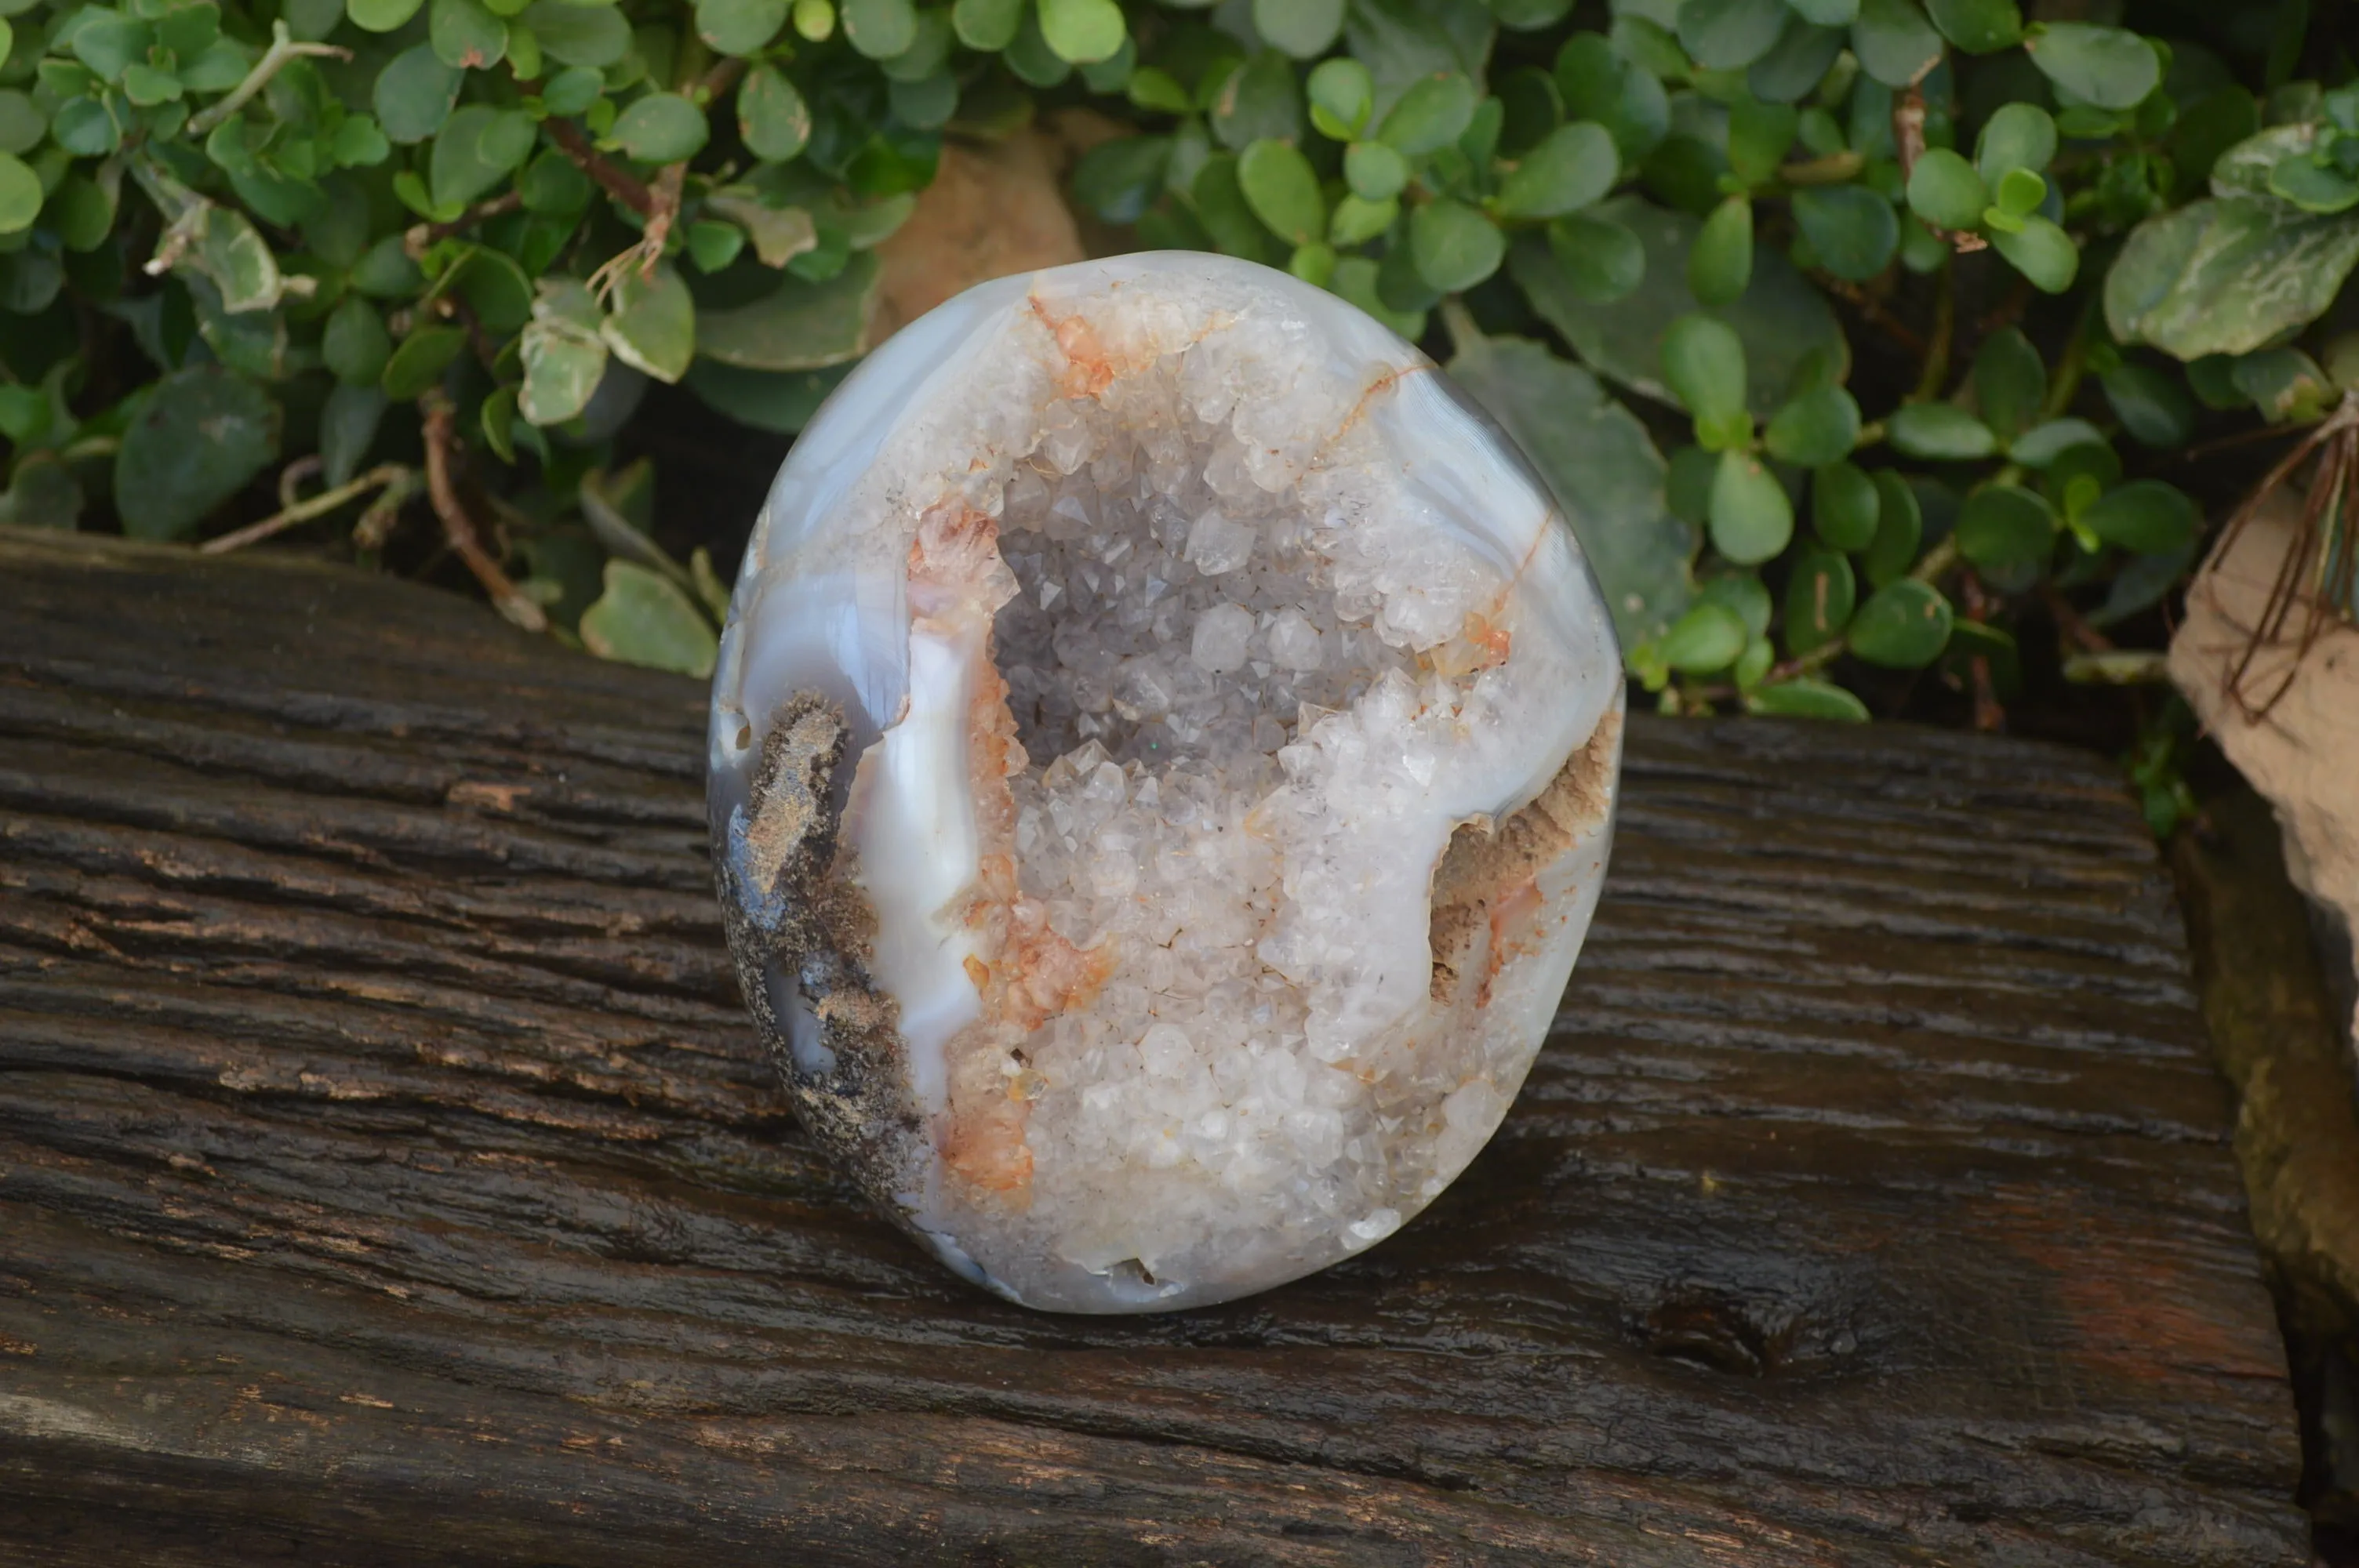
{"x":387,"y":1173}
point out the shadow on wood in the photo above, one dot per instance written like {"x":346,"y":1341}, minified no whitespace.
{"x":387,"y":1173}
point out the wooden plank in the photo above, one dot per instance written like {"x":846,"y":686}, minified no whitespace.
{"x":388,"y":1175}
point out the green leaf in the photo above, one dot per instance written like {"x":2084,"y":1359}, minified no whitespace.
{"x":2145,"y":515}
{"x":1342,"y":97}
{"x":414,"y":95}
{"x":1806,"y":698}
{"x":1899,"y":529}
{"x":1118,"y":180}
{"x":1375,"y":171}
{"x":1844,"y":506}
{"x":1600,"y":261}
{"x":1784,"y":321}
{"x":464,"y":34}
{"x":1820,"y":593}
{"x":41,"y":494}
{"x":771,"y":115}
{"x":420,"y":360}
{"x":1454,"y":246}
{"x":2227,"y":276}
{"x":1402,"y":40}
{"x":1598,"y":85}
{"x":1940,"y":431}
{"x":2018,"y":194}
{"x":380,"y":16}
{"x":563,"y":356}
{"x":84,"y":126}
{"x":354,"y":346}
{"x":2010,"y":382}
{"x":349,"y":418}
{"x":662,"y":127}
{"x":644,"y":618}
{"x":2044,"y":442}
{"x":2152,"y":405}
{"x":2297,"y":179}
{"x":1904,"y":625}
{"x":1752,"y":521}
{"x":1853,"y":230}
{"x":1978,"y":27}
{"x":593,"y":36}
{"x":2041,"y":252}
{"x":798,"y":326}
{"x":1282,"y":190}
{"x":1354,"y":280}
{"x":1728,"y":34}
{"x":147,"y":87}
{"x":1303,"y":29}
{"x":1570,"y":168}
{"x":765,"y":400}
{"x":1709,"y":637}
{"x":1260,"y":100}
{"x":200,"y":438}
{"x":653,"y":328}
{"x":1721,"y":262}
{"x":1703,"y":365}
{"x":20,"y":194}
{"x":988,"y":26}
{"x":1432,"y":113}
{"x":1895,"y":44}
{"x":22,"y":125}
{"x":2016,"y":135}
{"x":1815,"y":428}
{"x":477,"y":149}
{"x":2112,"y":68}
{"x":1758,"y":136}
{"x":2005,"y":525}
{"x":1082,"y":32}
{"x":1945,"y":190}
{"x":1800,"y":61}
{"x":1605,"y":472}
{"x":879,"y":29}
{"x":741,"y":26}
{"x":1358,"y":220}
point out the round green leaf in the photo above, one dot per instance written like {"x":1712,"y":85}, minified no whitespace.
{"x":1728,"y":34}
{"x":1759,"y":135}
{"x":653,"y":328}
{"x":22,"y":125}
{"x":1720,"y":264}
{"x":880,"y":28}
{"x":420,"y":360}
{"x":1853,"y":230}
{"x":1571,"y":167}
{"x":1895,"y":44}
{"x":1904,"y":625}
{"x":739,"y":27}
{"x":1708,"y":637}
{"x":20,"y":194}
{"x":587,"y":35}
{"x":645,"y":618}
{"x":2005,"y":525}
{"x":1899,"y":529}
{"x":1283,"y":191}
{"x":1303,"y":29}
{"x":2152,"y":405}
{"x":2145,"y":515}
{"x":1358,"y":220}
{"x":2112,"y":68}
{"x":662,"y":127}
{"x":2010,"y":382}
{"x":1741,"y":592}
{"x":2016,"y":135}
{"x":83,"y":127}
{"x":2040,"y":252}
{"x":1798,"y":64}
{"x":1375,"y":171}
{"x":1454,"y":246}
{"x":1260,"y":99}
{"x":1433,"y":113}
{"x":2050,"y":438}
{"x":1819,"y":596}
{"x":2294,"y":178}
{"x":1945,"y":190}
{"x":1117,"y":180}
{"x":1814,"y":429}
{"x":83,"y":212}
{"x":1806,"y":698}
{"x":1704,"y":364}
{"x":464,"y":34}
{"x":477,"y":149}
{"x":380,"y":16}
{"x":771,"y":115}
{"x":1844,"y":506}
{"x":414,"y":95}
{"x":1941,"y":431}
{"x":989,"y":26}
{"x":1602,"y":261}
{"x":1596,"y":84}
{"x":200,"y":438}
{"x":1978,"y":27}
{"x":1082,"y":32}
{"x":354,"y":346}
{"x":1343,"y":96}
{"x":1752,"y":520}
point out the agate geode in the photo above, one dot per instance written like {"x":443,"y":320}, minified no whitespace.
{"x":1163,"y":758}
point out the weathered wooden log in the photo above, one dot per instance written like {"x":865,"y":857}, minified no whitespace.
{"x":387,"y":1173}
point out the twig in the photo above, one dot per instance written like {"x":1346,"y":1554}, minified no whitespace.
{"x":2067,"y":621}
{"x":1989,"y":716}
{"x":1937,"y":561}
{"x":1832,"y":170}
{"x":1870,"y":308}
{"x":618,"y":182}
{"x":659,"y":221}
{"x":1935,"y":369}
{"x":387,"y":475}
{"x":720,"y":79}
{"x":460,"y":528}
{"x":2065,"y":384}
{"x":1818,"y":658}
{"x":283,"y":49}
{"x":423,"y":237}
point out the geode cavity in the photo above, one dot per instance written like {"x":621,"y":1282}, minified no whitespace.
{"x":1163,"y":756}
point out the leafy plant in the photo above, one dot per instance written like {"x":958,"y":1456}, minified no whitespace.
{"x":1848,"y":331}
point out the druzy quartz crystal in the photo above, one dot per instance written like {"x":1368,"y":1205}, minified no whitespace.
{"x":1163,"y":757}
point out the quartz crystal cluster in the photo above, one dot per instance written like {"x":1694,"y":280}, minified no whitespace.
{"x":1162,"y":765}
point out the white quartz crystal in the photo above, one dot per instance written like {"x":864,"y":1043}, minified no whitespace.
{"x":1228,"y":728}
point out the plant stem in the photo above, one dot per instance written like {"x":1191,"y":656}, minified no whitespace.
{"x":1937,"y":561}
{"x":619,"y":182}
{"x":283,"y":49}
{"x":1818,"y":658}
{"x":1832,"y":170}
{"x":459,"y":529}
{"x":304,"y":511}
{"x":423,"y":237}
{"x":1936,"y":368}
{"x":2065,"y":384}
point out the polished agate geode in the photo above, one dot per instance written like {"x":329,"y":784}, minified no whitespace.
{"x":1163,"y":758}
